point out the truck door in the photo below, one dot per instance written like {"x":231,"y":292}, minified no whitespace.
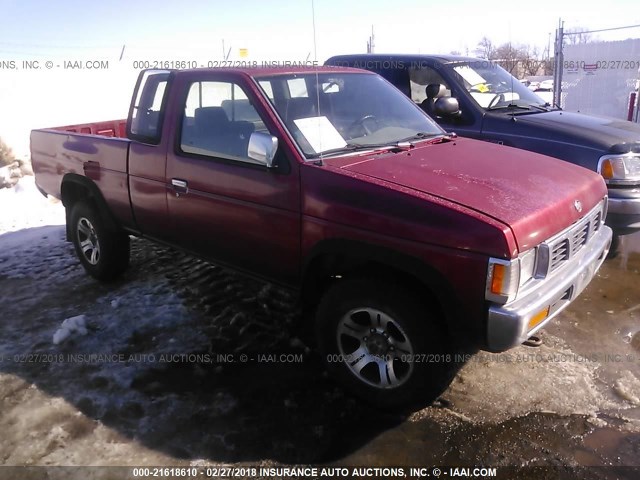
{"x":147,"y":154}
{"x":223,"y":206}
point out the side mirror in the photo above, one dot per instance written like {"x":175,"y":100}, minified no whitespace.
{"x":446,"y":107}
{"x":262,"y":148}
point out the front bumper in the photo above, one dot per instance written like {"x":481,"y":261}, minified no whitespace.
{"x":624,"y":212}
{"x":508,"y":325}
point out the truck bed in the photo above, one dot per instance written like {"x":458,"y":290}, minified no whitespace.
{"x":100,"y":156}
{"x":109,"y":128}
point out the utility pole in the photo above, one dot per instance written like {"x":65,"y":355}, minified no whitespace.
{"x":558,"y":62}
{"x":225,"y":53}
{"x":371,"y":42}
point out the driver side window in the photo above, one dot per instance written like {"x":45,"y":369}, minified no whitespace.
{"x":427,"y":86}
{"x":218,"y":121}
{"x":420,"y":78}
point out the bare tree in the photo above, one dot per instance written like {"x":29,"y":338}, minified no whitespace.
{"x":578,"y":35}
{"x":531,"y":60}
{"x":485,"y":49}
{"x":508,"y":56}
{"x":519,"y":60}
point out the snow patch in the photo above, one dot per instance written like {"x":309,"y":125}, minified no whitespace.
{"x":69,"y":326}
{"x":23,"y":206}
{"x":628,"y":387}
{"x":513,"y":380}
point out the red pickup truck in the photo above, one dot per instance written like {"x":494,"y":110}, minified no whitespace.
{"x":405,"y":240}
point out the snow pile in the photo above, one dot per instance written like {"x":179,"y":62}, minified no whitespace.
{"x":23,"y":206}
{"x":69,"y":326}
{"x":9,"y":175}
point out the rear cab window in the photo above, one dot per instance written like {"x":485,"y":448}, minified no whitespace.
{"x":147,"y":110}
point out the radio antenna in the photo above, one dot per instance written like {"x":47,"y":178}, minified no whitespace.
{"x":313,"y":17}
{"x":315,"y":58}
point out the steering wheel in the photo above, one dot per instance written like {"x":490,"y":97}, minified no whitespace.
{"x":362,"y":123}
{"x":499,"y":97}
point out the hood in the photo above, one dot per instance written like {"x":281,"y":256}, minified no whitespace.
{"x":603,"y":133}
{"x":533,"y":194}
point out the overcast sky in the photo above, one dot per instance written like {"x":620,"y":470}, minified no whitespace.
{"x":268,"y":30}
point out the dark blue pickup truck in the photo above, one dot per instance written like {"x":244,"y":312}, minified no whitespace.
{"x":477,"y":98}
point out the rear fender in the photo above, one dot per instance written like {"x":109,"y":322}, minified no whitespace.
{"x":76,"y":188}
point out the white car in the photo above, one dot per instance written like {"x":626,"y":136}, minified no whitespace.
{"x":545,"y":86}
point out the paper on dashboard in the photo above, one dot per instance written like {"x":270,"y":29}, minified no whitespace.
{"x":320,"y":133}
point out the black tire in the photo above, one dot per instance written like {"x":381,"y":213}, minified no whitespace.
{"x":103,"y":252}
{"x":411,"y":369}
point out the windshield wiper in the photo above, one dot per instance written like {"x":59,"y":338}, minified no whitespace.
{"x":402,"y":144}
{"x":541,"y":108}
{"x":421,"y":136}
{"x":353,"y":147}
{"x":510,"y":106}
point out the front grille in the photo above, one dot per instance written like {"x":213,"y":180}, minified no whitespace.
{"x":569,"y":242}
{"x":559,"y":254}
{"x":580,"y":238}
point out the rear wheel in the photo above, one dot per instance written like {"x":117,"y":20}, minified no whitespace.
{"x":381,"y":343}
{"x":103,"y":252}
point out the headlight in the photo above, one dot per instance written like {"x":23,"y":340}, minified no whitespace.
{"x":505,"y":277}
{"x":620,"y":169}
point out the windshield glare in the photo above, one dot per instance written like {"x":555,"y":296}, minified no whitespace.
{"x":493,"y":87}
{"x":331,"y":111}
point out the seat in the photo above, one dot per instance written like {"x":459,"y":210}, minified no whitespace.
{"x":209,"y":120}
{"x":433,"y":91}
{"x":216,"y":133}
{"x":240,"y":109}
{"x":211,"y":129}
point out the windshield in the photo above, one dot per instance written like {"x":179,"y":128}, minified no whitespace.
{"x":492,"y":87}
{"x":337,"y":112}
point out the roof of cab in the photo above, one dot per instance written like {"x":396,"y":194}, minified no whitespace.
{"x":403,"y":57}
{"x":277,"y":70}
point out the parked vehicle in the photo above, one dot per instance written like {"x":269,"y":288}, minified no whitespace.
{"x":545,"y":86}
{"x":407,"y":241}
{"x":477,"y":98}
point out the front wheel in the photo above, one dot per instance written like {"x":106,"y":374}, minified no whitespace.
{"x":103,"y":252}
{"x":381,"y":343}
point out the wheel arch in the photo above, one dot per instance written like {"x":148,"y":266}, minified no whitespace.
{"x":347,"y":258}
{"x":76,"y":188}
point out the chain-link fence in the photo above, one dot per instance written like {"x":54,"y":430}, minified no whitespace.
{"x":600,"y":75}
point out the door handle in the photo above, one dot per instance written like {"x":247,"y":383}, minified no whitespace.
{"x":179,"y":186}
